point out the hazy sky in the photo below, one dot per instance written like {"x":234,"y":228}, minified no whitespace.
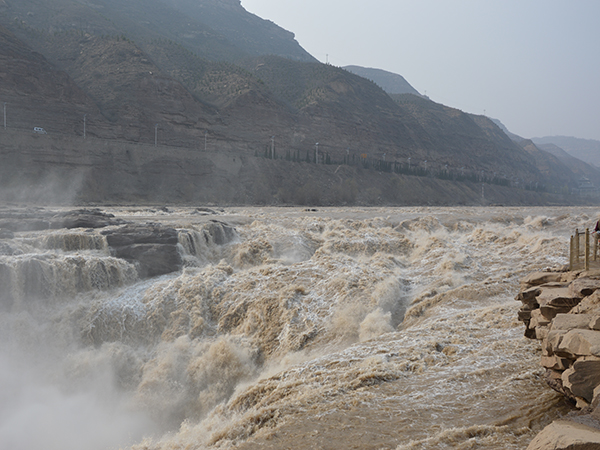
{"x":533,"y":64}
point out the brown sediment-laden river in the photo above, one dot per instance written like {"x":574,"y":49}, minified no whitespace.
{"x":366,"y":328}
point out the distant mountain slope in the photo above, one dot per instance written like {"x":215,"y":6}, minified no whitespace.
{"x":155,"y":69}
{"x":587,"y":150}
{"x":215,"y":29}
{"x":465,"y":137}
{"x":391,"y":83}
{"x":37,"y":93}
{"x":252,"y":34}
{"x":557,"y":169}
{"x":577,"y":166}
{"x":511,"y":135}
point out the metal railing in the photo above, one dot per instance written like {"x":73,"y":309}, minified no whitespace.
{"x":583,"y":250}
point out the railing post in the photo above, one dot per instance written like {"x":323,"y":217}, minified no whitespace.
{"x":576,"y":260}
{"x":595,"y":240}
{"x":572,"y":253}
{"x":587,"y":249}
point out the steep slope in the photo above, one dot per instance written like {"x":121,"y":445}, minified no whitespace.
{"x":390,"y":82}
{"x":467,"y":141}
{"x":130,"y":94}
{"x":551,"y":166}
{"x":253,"y":35}
{"x":219,"y":30}
{"x":575,"y":165}
{"x":587,"y":150}
{"x":144,"y":66}
{"x":37,"y":94}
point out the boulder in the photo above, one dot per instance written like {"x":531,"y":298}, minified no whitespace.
{"x":553,"y":340}
{"x":571,"y":321}
{"x":590,"y":304}
{"x":537,"y":319}
{"x":553,"y":379}
{"x":594,"y":322}
{"x":550,"y":312}
{"x":582,"y":378}
{"x":541,"y":333}
{"x":84,"y":218}
{"x":566,"y":434}
{"x":538,"y":278}
{"x":152,"y":248}
{"x":557,"y":295}
{"x":524,"y":315}
{"x":528,"y":295}
{"x":579,"y":343}
{"x":556,"y":362}
{"x":582,"y":287}
{"x":152,"y":259}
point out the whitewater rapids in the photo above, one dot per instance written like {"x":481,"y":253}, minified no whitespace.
{"x":367,"y":328}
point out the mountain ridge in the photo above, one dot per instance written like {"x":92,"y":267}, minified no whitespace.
{"x":390,"y":82}
{"x":587,"y":150}
{"x":145,"y":82}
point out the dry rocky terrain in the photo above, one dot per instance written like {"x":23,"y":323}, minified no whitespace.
{"x":562,"y":310}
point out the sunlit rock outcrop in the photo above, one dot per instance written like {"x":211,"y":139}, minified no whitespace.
{"x":562,"y":310}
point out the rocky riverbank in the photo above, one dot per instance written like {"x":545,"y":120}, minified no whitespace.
{"x":561,"y":309}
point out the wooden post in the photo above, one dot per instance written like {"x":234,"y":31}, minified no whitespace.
{"x":587,"y":249}
{"x":595,"y":246}
{"x":572,"y":253}
{"x":576,"y":248}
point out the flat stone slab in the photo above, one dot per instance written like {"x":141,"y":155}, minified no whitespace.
{"x":550,"y":312}
{"x":579,"y":343}
{"x":557,"y":295}
{"x":566,"y":435}
{"x":538,"y":278}
{"x":571,"y":321}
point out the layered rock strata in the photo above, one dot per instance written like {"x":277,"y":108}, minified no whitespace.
{"x":562,"y":310}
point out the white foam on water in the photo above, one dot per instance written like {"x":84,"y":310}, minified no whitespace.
{"x":394,"y":324}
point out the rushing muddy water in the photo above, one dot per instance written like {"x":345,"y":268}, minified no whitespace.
{"x":338,"y":328}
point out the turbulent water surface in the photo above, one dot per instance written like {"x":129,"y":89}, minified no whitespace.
{"x":374,"y":328}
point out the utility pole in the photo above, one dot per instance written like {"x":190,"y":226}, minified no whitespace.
{"x":409,"y":163}
{"x":272,"y":147}
{"x":5,"y":115}
{"x":205,"y":137}
{"x":317,"y":153}
{"x":84,"y":117}
{"x":155,"y":134}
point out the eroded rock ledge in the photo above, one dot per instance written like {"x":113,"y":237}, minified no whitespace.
{"x":562,"y":310}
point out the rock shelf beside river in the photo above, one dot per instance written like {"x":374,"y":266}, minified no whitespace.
{"x":562,"y":310}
